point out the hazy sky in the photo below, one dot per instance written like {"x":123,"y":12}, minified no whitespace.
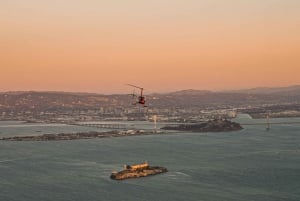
{"x":162,"y":45}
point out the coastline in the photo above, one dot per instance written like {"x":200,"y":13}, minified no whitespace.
{"x":210,"y":126}
{"x":80,"y":135}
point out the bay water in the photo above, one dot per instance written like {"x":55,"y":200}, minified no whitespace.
{"x":248,"y":165}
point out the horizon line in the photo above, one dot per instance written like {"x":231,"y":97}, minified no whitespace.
{"x":158,"y":92}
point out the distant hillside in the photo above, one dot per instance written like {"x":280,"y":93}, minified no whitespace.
{"x":210,"y":99}
{"x":59,"y":101}
{"x":52,"y":101}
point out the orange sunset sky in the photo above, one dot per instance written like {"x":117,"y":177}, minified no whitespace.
{"x":162,"y":45}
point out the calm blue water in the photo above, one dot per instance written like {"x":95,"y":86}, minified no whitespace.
{"x":252,"y":165}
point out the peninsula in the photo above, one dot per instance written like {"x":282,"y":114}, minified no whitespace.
{"x":81,"y":135}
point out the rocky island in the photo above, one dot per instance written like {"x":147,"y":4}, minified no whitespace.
{"x":217,"y":125}
{"x":136,"y":171}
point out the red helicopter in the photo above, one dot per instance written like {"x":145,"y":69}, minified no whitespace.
{"x":140,"y":99}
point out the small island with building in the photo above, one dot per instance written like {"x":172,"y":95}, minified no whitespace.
{"x":138,"y":170}
{"x":217,"y":125}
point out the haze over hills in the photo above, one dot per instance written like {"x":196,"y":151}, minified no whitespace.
{"x":295,"y":89}
{"x":190,"y":92}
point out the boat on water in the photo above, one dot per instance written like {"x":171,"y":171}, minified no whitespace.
{"x":137,"y":170}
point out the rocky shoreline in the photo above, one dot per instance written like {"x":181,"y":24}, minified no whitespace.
{"x":217,"y":125}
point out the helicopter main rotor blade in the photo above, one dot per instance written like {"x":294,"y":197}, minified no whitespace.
{"x":135,"y":86}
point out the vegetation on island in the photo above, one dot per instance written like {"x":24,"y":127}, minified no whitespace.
{"x":217,"y":125}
